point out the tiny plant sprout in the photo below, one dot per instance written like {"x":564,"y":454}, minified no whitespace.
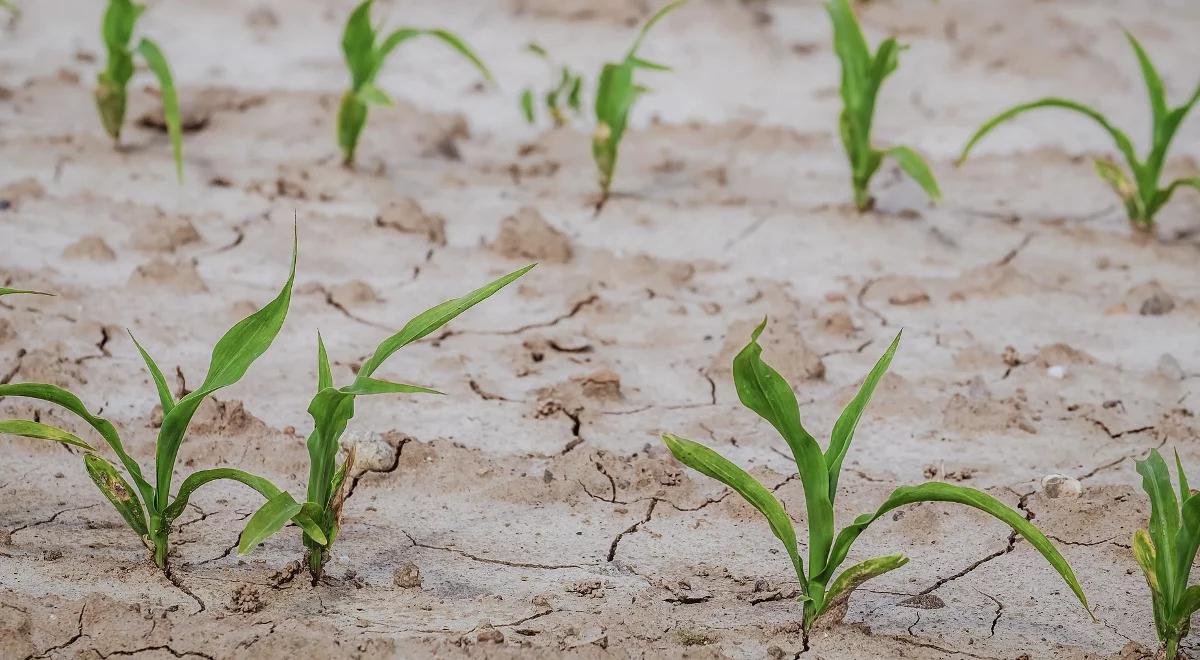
{"x":764,"y":391}
{"x":562,"y":99}
{"x":616,"y":93}
{"x":331,"y":409}
{"x":147,"y":505}
{"x":1139,"y":187}
{"x":117,"y":29}
{"x":364,"y":58}
{"x":8,"y":292}
{"x":1166,"y":551}
{"x":862,"y":76}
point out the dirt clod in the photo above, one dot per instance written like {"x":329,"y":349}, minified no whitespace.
{"x":407,"y":576}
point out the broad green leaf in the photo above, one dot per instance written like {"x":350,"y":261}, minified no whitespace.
{"x":158,"y":65}
{"x":269,"y":518}
{"x":943,"y":492}
{"x":160,"y":382}
{"x":372,"y":95}
{"x":1187,"y":540}
{"x":199,"y":478}
{"x":244,"y":343}
{"x":358,"y":44}
{"x":352,"y":116}
{"x":29,"y":429}
{"x":1118,"y":136}
{"x":117,"y":490}
{"x":8,"y":292}
{"x":363,"y":386}
{"x":60,"y":397}
{"x":915,"y":167}
{"x":853,"y":577}
{"x":710,"y":463}
{"x":843,"y":430}
{"x":117,"y":25}
{"x":527,"y":105}
{"x":852,"y":51}
{"x":614,"y":98}
{"x":761,"y":389}
{"x":1164,"y":520}
{"x":1143,"y":552}
{"x":434,"y":318}
{"x":331,"y":410}
{"x":658,"y":16}
{"x":1190,"y":601}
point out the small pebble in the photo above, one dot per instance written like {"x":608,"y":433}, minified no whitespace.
{"x":1057,"y":371}
{"x":407,"y":576}
{"x":1055,"y":486}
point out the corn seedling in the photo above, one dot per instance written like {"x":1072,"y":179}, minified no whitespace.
{"x":616,"y":93}
{"x":8,"y":292}
{"x":117,"y":29}
{"x":365,"y":58}
{"x":862,"y":76}
{"x":1166,"y":551}
{"x":564,"y":96}
{"x":1140,"y":193}
{"x":148,"y":507}
{"x":331,"y":409}
{"x":764,"y":391}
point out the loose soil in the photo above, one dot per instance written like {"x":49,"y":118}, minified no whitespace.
{"x":532,"y":510}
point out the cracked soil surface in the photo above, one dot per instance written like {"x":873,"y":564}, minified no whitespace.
{"x":532,"y":511}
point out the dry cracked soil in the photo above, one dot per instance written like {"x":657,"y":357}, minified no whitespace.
{"x":532,"y":511}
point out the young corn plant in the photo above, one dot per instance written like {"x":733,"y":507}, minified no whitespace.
{"x":1166,"y":551}
{"x":117,"y":29}
{"x":862,"y":76}
{"x":1139,"y":187}
{"x":147,"y":506}
{"x":564,"y":96}
{"x":616,"y":93}
{"x":764,"y":391}
{"x":332,"y":409}
{"x":364,"y":58}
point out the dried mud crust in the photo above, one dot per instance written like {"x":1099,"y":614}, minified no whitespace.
{"x":532,"y":512}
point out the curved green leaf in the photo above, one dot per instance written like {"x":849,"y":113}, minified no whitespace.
{"x":70,"y":402}
{"x":271,"y":517}
{"x":943,"y":492}
{"x":853,"y":577}
{"x":916,"y":168}
{"x":761,"y":389}
{"x":117,"y":491}
{"x":434,"y":318}
{"x":1154,"y":84}
{"x":452,"y":40}
{"x":1164,"y":522}
{"x":843,"y":430}
{"x":232,"y":356}
{"x":197,"y":479}
{"x":1122,"y":141}
{"x":658,"y":16}
{"x":710,"y":463}
{"x":358,"y":44}
{"x":29,"y":429}
{"x":158,"y":64}
{"x":363,"y":386}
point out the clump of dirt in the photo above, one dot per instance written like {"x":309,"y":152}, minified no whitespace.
{"x":90,"y":248}
{"x":527,"y":235}
{"x":406,"y":215}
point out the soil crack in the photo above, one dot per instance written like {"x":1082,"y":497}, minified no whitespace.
{"x":488,"y":560}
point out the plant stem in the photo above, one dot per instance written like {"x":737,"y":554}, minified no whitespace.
{"x":862,"y":198}
{"x":1172,"y":648}
{"x":159,"y":532}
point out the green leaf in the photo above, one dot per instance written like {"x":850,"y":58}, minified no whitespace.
{"x":853,"y":577}
{"x":1185,"y":491}
{"x":117,"y":25}
{"x":710,"y":463}
{"x":915,"y":167}
{"x":351,"y":118}
{"x":1119,"y":137}
{"x":639,"y":63}
{"x":434,"y":318}
{"x":371,"y":95}
{"x":363,"y":386}
{"x":852,"y":52}
{"x":1115,"y":177}
{"x":195,"y":480}
{"x":658,"y":16}
{"x":158,"y":65}
{"x":527,"y":105}
{"x":943,"y":492}
{"x":843,"y":430}
{"x":1187,"y":539}
{"x":575,"y":96}
{"x":117,"y":490}
{"x":452,"y":40}
{"x":324,"y":371}
{"x":271,"y":517}
{"x":8,"y":292}
{"x":1164,"y":521}
{"x":390,"y":43}
{"x":358,"y":44}
{"x":160,"y":382}
{"x":70,"y":402}
{"x":1154,"y":84}
{"x":29,"y":429}
{"x":244,"y":343}
{"x":1143,"y":552}
{"x":761,"y":389}
{"x":1164,"y":195}
{"x":1190,"y":601}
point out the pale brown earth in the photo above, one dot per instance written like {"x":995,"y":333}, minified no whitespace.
{"x":535,"y":502}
